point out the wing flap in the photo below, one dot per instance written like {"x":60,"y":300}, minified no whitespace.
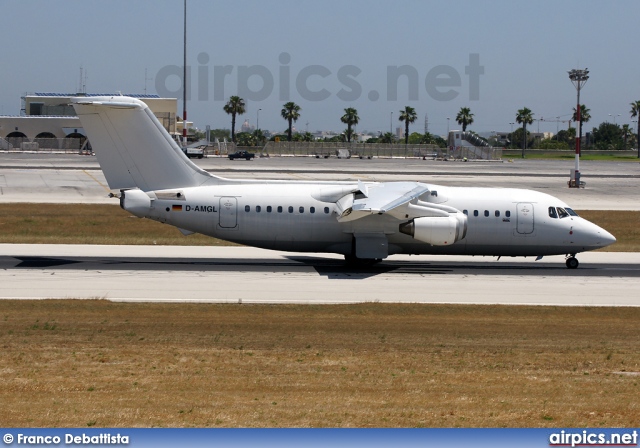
{"x":381,"y":198}
{"x":402,"y":200}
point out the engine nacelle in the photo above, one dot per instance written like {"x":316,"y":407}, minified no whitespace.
{"x":136,"y":202}
{"x":437,"y":231}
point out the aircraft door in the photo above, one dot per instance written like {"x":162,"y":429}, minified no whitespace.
{"x":228,"y":212}
{"x":525,"y":218}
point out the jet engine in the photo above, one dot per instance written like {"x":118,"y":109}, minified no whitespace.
{"x":136,"y":202}
{"x":438,"y":230}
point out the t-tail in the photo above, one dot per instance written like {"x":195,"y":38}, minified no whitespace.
{"x":134,"y":150}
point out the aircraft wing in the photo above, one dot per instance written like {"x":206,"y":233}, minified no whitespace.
{"x":398,"y":199}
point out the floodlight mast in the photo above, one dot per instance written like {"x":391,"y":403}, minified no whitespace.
{"x":578,"y":77}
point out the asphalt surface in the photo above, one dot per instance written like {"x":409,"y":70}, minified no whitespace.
{"x":60,"y":178}
{"x":249,"y":275}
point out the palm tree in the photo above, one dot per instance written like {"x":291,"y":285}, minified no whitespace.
{"x":585,"y":116}
{"x":388,"y":137}
{"x":350,"y":118}
{"x":235,"y":106}
{"x":524,"y":116}
{"x":408,"y":115}
{"x":635,"y":113}
{"x":306,"y":137}
{"x":290,"y":112}
{"x":464,"y":118}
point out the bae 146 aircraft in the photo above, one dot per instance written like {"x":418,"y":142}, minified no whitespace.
{"x":364,"y":221}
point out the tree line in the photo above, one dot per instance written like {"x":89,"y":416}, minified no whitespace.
{"x":606,"y":136}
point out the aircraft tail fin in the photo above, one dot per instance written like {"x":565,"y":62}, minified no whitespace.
{"x":133,"y":148}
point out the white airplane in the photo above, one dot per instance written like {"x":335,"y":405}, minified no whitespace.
{"x":364,"y":221}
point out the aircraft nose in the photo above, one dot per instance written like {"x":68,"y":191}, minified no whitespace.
{"x":607,"y":238}
{"x":596,"y":236}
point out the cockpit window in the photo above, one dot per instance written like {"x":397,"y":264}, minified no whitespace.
{"x":552,"y":213}
{"x":571,"y":212}
{"x":562,"y":213}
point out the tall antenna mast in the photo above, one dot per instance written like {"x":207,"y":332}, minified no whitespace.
{"x":426,"y":123}
{"x":82,"y":85}
{"x":184,"y":81}
{"x":145,"y":81}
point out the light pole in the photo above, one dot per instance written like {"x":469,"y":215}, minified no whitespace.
{"x":578,"y":77}
{"x":391,"y":123}
{"x":637,"y":131}
{"x":511,"y":133}
{"x":258,"y":119}
{"x":614,"y":117}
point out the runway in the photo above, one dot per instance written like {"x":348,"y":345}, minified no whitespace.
{"x":248,"y":275}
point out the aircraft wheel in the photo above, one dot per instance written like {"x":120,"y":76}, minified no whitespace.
{"x":572,"y":263}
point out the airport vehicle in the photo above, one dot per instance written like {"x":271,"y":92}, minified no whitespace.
{"x":241,"y":155}
{"x":364,"y":221}
{"x":194,"y":151}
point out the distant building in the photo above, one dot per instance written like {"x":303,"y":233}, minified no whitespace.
{"x":47,"y":120}
{"x":246,"y":127}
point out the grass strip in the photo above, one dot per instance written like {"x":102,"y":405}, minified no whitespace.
{"x":108,"y":224}
{"x":82,"y":363}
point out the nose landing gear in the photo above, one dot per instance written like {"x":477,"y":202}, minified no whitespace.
{"x":572,"y":262}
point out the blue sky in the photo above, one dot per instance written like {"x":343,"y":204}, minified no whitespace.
{"x":335,"y":54}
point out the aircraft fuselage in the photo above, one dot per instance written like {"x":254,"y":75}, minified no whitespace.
{"x":286,"y":216}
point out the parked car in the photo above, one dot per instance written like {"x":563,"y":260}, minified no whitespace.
{"x":241,"y":155}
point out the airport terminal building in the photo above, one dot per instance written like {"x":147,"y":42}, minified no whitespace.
{"x":48,"y":121}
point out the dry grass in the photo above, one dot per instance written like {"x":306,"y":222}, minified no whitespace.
{"x":109,"y":224}
{"x":624,"y":225}
{"x":83,"y":363}
{"x":87,"y":224}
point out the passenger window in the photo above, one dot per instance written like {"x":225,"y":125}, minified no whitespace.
{"x":247,"y":208}
{"x":301,"y":209}
{"x":507,"y":214}
{"x":258,"y":208}
{"x":475,"y":213}
{"x":326,"y":210}
{"x":268,"y":209}
{"x":466,"y":212}
{"x":497,"y":213}
{"x":562,"y":213}
{"x":486,"y":213}
{"x":279,"y":208}
{"x":290,"y":209}
{"x":312,"y":209}
{"x":552,"y":213}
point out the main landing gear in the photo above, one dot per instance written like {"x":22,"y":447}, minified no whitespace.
{"x":572,"y":262}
